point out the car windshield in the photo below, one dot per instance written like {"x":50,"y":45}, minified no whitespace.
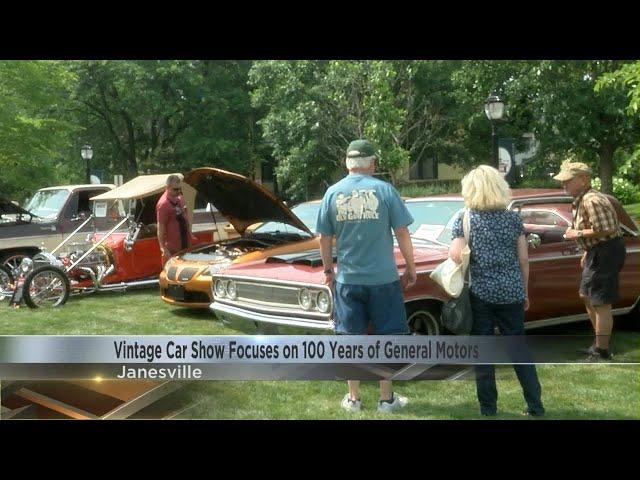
{"x":48,"y":203}
{"x":431,"y":218}
{"x":307,"y":212}
{"x":445,"y":234}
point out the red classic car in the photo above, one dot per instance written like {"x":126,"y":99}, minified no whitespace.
{"x":121,"y":252}
{"x":284,"y":293}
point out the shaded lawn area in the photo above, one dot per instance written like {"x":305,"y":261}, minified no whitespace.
{"x":139,"y":312}
{"x":569,"y":391}
{"x":578,"y":392}
{"x":585,"y":391}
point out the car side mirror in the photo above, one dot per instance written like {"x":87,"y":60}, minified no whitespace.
{"x":533,"y":240}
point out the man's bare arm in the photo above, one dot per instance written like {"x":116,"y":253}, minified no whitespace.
{"x":326,"y":253}
{"x":406,"y":248}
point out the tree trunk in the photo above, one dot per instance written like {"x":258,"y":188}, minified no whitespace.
{"x":606,"y":169}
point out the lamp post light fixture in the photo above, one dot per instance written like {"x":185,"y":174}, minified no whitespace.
{"x":494,"y":109}
{"x":87,"y":154}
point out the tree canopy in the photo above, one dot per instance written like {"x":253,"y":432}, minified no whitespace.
{"x":157,"y":116}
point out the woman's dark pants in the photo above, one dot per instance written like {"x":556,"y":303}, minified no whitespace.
{"x":510,"y":321}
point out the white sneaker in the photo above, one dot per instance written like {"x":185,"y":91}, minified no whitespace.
{"x":398,"y":402}
{"x":351,"y":405}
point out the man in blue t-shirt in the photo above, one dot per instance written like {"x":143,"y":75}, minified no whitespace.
{"x":360,"y":211}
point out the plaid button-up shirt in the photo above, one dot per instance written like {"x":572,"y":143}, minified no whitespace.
{"x":593,"y":210}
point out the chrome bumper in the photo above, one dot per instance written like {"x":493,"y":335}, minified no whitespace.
{"x":255,"y":322}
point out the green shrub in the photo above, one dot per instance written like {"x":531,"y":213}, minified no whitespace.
{"x":623,"y":190}
{"x":538,"y":183}
{"x":431,"y":188}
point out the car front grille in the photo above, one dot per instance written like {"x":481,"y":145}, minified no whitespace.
{"x":189,"y":297}
{"x":271,"y":297}
{"x":268,"y":293}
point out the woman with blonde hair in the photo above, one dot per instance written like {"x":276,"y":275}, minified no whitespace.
{"x":499,"y":273}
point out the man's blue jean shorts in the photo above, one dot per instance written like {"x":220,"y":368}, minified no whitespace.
{"x":381,"y":305}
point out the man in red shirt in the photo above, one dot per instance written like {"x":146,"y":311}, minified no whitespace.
{"x":174,"y":230}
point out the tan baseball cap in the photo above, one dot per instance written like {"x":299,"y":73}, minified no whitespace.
{"x":570,"y":169}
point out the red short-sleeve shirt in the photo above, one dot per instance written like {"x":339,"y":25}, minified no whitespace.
{"x":166,"y":214}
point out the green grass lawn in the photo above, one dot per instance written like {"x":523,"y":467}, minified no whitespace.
{"x":137,"y":312}
{"x":584,"y":392}
{"x":587,"y":391}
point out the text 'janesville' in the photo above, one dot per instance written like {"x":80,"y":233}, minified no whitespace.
{"x":304,"y":350}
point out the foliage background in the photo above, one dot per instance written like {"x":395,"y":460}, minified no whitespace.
{"x":296,"y":117}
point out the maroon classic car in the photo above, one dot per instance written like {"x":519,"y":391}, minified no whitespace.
{"x":285,"y":294}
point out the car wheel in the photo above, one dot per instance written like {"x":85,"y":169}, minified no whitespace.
{"x":6,"y":282}
{"x":424,"y":319}
{"x":12,"y":261}
{"x":46,"y":286}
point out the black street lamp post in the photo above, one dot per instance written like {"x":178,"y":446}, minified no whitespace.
{"x":87,"y":154}
{"x":494,"y":109}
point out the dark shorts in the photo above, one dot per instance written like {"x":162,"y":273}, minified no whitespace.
{"x":601,"y":271}
{"x":381,"y":305}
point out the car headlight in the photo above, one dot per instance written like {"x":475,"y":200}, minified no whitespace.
{"x":219,"y":289}
{"x":323,"y":302}
{"x":304,"y":299}
{"x":232,"y":291}
{"x":167,"y":265}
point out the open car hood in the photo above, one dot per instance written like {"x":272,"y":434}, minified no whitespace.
{"x":9,"y":208}
{"x":241,"y":200}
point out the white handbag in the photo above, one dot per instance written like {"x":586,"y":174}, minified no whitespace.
{"x":449,"y":274}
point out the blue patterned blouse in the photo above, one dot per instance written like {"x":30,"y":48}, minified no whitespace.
{"x":495,"y":271}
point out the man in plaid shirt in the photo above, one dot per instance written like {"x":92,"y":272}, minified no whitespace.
{"x":597,"y":230}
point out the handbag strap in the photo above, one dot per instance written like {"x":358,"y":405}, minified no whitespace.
{"x":466,"y":228}
{"x":466,"y":225}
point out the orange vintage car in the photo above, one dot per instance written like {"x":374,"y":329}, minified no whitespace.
{"x":186,"y":278}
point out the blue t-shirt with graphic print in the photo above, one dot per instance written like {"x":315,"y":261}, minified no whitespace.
{"x":361,"y":212}
{"x":496,"y":276}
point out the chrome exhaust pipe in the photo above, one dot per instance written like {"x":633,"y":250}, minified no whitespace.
{"x":124,"y":285}
{"x":143,"y":283}
{"x":91,"y":273}
{"x":105,"y":273}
